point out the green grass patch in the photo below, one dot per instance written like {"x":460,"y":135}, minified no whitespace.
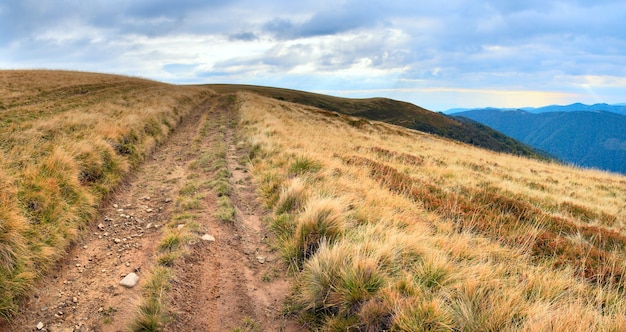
{"x":225,"y":209}
{"x":302,"y":164}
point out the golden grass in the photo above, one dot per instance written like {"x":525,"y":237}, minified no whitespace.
{"x":66,"y":140}
{"x":436,"y":235}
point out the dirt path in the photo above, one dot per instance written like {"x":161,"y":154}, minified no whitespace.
{"x":238,"y":281}
{"x":234,"y":282}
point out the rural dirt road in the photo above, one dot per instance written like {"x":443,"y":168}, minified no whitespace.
{"x":236,"y":281}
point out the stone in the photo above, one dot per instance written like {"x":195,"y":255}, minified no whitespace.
{"x":260,"y":259}
{"x":39,"y":325}
{"x":130,"y":280}
{"x":208,"y":237}
{"x":75,"y":299}
{"x":180,"y":226}
{"x":101,"y":226}
{"x":117,"y":240}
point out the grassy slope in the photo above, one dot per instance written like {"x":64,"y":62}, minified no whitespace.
{"x":384,"y":227}
{"x":398,"y":113}
{"x":66,"y":140}
{"x":387,"y":228}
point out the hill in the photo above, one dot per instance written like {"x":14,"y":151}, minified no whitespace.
{"x":381,"y":227}
{"x":588,"y":139}
{"x":399,"y":113}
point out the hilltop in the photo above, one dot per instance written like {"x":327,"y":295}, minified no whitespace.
{"x":398,"y":113}
{"x":239,"y":211}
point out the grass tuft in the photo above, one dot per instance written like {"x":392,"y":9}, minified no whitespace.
{"x":303,"y":164}
{"x":321,"y":221}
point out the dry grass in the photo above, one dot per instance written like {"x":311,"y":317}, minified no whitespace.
{"x":434,"y":234}
{"x":66,"y":140}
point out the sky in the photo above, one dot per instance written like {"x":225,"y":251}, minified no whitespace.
{"x":436,"y":54}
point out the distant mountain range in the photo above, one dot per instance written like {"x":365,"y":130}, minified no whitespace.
{"x":585,"y":135}
{"x":577,"y":107}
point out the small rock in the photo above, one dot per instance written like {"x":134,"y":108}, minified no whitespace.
{"x":146,"y":198}
{"x":85,"y":247}
{"x":130,"y":280}
{"x":39,"y":325}
{"x":75,"y":299}
{"x":168,"y":200}
{"x":101,"y":226}
{"x":260,"y":259}
{"x":115,"y":206}
{"x":117,"y":240}
{"x":180,"y":226}
{"x":149,"y":210}
{"x":208,"y":237}
{"x":247,"y":251}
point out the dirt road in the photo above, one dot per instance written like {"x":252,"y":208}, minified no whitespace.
{"x":233,"y":282}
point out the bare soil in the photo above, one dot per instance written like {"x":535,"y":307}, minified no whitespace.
{"x":235,"y":282}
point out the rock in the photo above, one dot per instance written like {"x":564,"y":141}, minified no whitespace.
{"x":180,"y":226}
{"x":247,"y":251}
{"x":39,"y":325}
{"x":168,"y":200}
{"x":208,"y":237}
{"x":75,"y":299}
{"x":260,"y":259}
{"x":101,"y":226}
{"x":130,"y":280}
{"x":149,"y":210}
{"x":146,"y":198}
{"x":117,"y":240}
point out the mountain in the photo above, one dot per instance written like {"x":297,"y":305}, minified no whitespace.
{"x":398,"y":113}
{"x":590,"y":139}
{"x":615,"y":108}
{"x":577,"y":107}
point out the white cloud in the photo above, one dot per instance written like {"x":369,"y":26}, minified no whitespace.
{"x":463,"y":51}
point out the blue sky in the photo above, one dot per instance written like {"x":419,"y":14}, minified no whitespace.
{"x":439,"y":55}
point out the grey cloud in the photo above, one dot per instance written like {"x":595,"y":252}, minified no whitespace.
{"x":243,"y":36}
{"x":342,"y":18}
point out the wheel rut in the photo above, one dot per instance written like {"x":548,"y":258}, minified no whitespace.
{"x":235,"y":281}
{"x":239,"y":280}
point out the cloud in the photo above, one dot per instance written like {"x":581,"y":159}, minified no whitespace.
{"x":483,"y":45}
{"x":243,"y":36}
{"x":337,"y":20}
